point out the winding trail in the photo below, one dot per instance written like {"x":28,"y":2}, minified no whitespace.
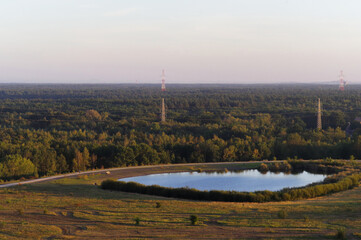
{"x":45,"y":179}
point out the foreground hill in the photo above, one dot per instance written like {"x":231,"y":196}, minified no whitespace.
{"x":78,"y":209}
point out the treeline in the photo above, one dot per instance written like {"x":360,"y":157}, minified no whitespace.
{"x":342,"y":182}
{"x":63,"y":128}
{"x":62,"y":151}
{"x":327,"y":166}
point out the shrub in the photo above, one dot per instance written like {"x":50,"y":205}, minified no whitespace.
{"x":158,"y":204}
{"x":84,"y":177}
{"x":282,"y":214}
{"x":64,"y":214}
{"x":275,"y":167}
{"x":194,"y":219}
{"x":20,"y":211}
{"x":263,"y":168}
{"x":2,"y":225}
{"x":286,"y":167}
{"x":340,"y":234}
{"x":339,"y":182}
{"x":47,"y":212}
{"x":137,"y":221}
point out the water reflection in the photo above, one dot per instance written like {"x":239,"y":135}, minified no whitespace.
{"x":245,"y":181}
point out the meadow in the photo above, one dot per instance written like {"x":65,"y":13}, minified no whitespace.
{"x":77,"y":208}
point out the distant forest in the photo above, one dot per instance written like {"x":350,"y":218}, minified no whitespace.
{"x":48,"y":129}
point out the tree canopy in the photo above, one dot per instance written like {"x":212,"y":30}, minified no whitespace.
{"x":61,"y":128}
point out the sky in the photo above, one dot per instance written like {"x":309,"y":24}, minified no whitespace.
{"x":194,"y":41}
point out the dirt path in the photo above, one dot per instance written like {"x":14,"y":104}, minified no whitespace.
{"x":45,"y":179}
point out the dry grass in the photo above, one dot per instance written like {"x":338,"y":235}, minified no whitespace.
{"x":78,"y":209}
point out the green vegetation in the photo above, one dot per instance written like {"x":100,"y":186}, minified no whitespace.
{"x":65,"y":128}
{"x":194,"y":219}
{"x":282,"y":214}
{"x":341,"y":234}
{"x":20,"y":211}
{"x":50,"y":129}
{"x":137,"y":221}
{"x":15,"y":166}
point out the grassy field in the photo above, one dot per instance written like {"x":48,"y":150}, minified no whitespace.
{"x":77,"y":208}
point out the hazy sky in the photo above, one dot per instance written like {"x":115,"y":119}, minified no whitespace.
{"x":195,"y":41}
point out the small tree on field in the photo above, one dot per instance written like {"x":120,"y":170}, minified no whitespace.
{"x":194,"y":219}
{"x":137,"y":221}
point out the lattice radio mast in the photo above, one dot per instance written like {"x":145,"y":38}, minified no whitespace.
{"x":319,"y":113}
{"x":163,"y":111}
{"x":163,"y":81}
{"x":342,"y":81}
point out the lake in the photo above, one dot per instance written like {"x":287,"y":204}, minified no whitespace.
{"x":245,"y":181}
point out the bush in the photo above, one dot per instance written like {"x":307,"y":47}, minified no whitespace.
{"x":137,"y":221}
{"x":282,"y":214}
{"x":341,"y":234}
{"x":342,"y":181}
{"x":194,"y":219}
{"x":47,"y":212}
{"x":2,"y":225}
{"x":263,"y":168}
{"x":84,"y":177}
{"x":20,"y":211}
{"x":158,"y":204}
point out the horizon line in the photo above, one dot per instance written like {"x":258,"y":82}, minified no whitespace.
{"x":131,"y":83}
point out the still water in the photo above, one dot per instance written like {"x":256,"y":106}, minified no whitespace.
{"x":246,"y":181}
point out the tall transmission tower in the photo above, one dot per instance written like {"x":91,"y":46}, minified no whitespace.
{"x":319,"y":121}
{"x":163,"y":111}
{"x":342,"y":81}
{"x":163,"y":81}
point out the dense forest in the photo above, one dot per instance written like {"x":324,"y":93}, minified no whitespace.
{"x":47,"y":129}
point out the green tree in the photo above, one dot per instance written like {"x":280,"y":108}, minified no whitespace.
{"x":146,"y":155}
{"x":124,"y":157}
{"x":45,"y":160}
{"x":15,"y":166}
{"x":61,"y":164}
{"x":229,"y":154}
{"x":81,"y":160}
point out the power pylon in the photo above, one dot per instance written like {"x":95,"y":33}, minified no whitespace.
{"x":319,"y":113}
{"x":163,"y":111}
{"x":163,"y":81}
{"x":342,"y":82}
